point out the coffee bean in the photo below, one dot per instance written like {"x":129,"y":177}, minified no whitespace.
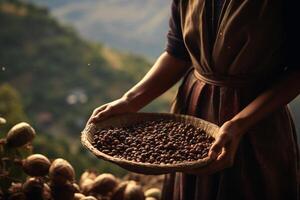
{"x":156,"y":142}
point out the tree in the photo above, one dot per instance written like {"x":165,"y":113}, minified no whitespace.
{"x":11,"y":107}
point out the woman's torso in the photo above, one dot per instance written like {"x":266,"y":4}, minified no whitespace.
{"x":245,"y":46}
{"x":245,"y":42}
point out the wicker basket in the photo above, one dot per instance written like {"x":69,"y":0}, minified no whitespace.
{"x":146,"y":168}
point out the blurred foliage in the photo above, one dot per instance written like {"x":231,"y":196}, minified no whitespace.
{"x":53,"y":146}
{"x":9,"y":170}
{"x":10,"y":107}
{"x":49,"y":63}
{"x":61,"y":78}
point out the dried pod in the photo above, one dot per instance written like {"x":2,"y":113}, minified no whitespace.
{"x":151,"y":198}
{"x":15,"y":187}
{"x":86,"y":186}
{"x":36,"y":165}
{"x":62,"y":192}
{"x":134,"y":192}
{"x":17,"y":196}
{"x":61,"y":172}
{"x":33,"y":188}
{"x":128,"y":190}
{"x":153,"y":192}
{"x":2,"y":120}
{"x":2,"y":142}
{"x":119,"y":192}
{"x":104,"y":184}
{"x":76,"y":187}
{"x":47,"y":192}
{"x":89,"y":198}
{"x":15,"y":192}
{"x":19,"y":135}
{"x":87,"y":175}
{"x":78,"y":196}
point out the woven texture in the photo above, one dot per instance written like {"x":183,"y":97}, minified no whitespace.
{"x":133,"y":118}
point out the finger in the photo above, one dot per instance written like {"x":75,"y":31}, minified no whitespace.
{"x":227,"y":155}
{"x":103,"y":114}
{"x":217,"y":146}
{"x":222,"y":161}
{"x":95,"y":112}
{"x":223,"y":154}
{"x":101,"y":108}
{"x":217,"y":165}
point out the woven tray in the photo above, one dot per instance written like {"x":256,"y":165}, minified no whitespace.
{"x":146,"y":168}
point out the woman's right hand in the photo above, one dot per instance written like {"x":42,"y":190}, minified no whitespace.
{"x":119,"y":106}
{"x":166,"y":71}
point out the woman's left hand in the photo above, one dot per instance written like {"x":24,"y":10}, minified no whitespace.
{"x":223,"y":150}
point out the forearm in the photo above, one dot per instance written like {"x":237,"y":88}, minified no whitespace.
{"x":278,"y":95}
{"x":166,"y":71}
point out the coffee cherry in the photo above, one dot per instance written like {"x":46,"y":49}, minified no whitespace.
{"x":36,"y":165}
{"x":20,"y":135}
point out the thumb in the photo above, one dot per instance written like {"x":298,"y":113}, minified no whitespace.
{"x":103,"y":114}
{"x":217,"y":146}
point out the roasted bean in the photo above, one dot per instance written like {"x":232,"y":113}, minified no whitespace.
{"x":155,"y":142}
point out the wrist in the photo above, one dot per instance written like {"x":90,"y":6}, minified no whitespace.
{"x":131,"y":100}
{"x":239,"y":126}
{"x":129,"y":96}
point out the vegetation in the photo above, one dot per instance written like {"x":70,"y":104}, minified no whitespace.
{"x":61,"y":77}
{"x":11,"y":107}
{"x":57,"y":79}
{"x":51,"y":145}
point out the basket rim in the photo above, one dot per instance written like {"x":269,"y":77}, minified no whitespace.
{"x":166,"y":166}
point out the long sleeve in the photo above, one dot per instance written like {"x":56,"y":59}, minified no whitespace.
{"x":175,"y":44}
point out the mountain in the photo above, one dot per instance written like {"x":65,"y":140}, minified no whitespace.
{"x":60,"y":76}
{"x":137,"y":26}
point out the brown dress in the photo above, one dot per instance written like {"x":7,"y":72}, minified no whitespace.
{"x":232,"y":63}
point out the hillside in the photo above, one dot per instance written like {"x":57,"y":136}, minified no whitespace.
{"x":61,"y":78}
{"x":137,"y":26}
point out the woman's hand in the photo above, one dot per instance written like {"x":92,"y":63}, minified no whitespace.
{"x":119,"y":106}
{"x":225,"y":147}
{"x":166,"y":71}
{"x":223,"y":150}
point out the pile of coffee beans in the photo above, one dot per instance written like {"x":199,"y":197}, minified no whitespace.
{"x":157,"y":142}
